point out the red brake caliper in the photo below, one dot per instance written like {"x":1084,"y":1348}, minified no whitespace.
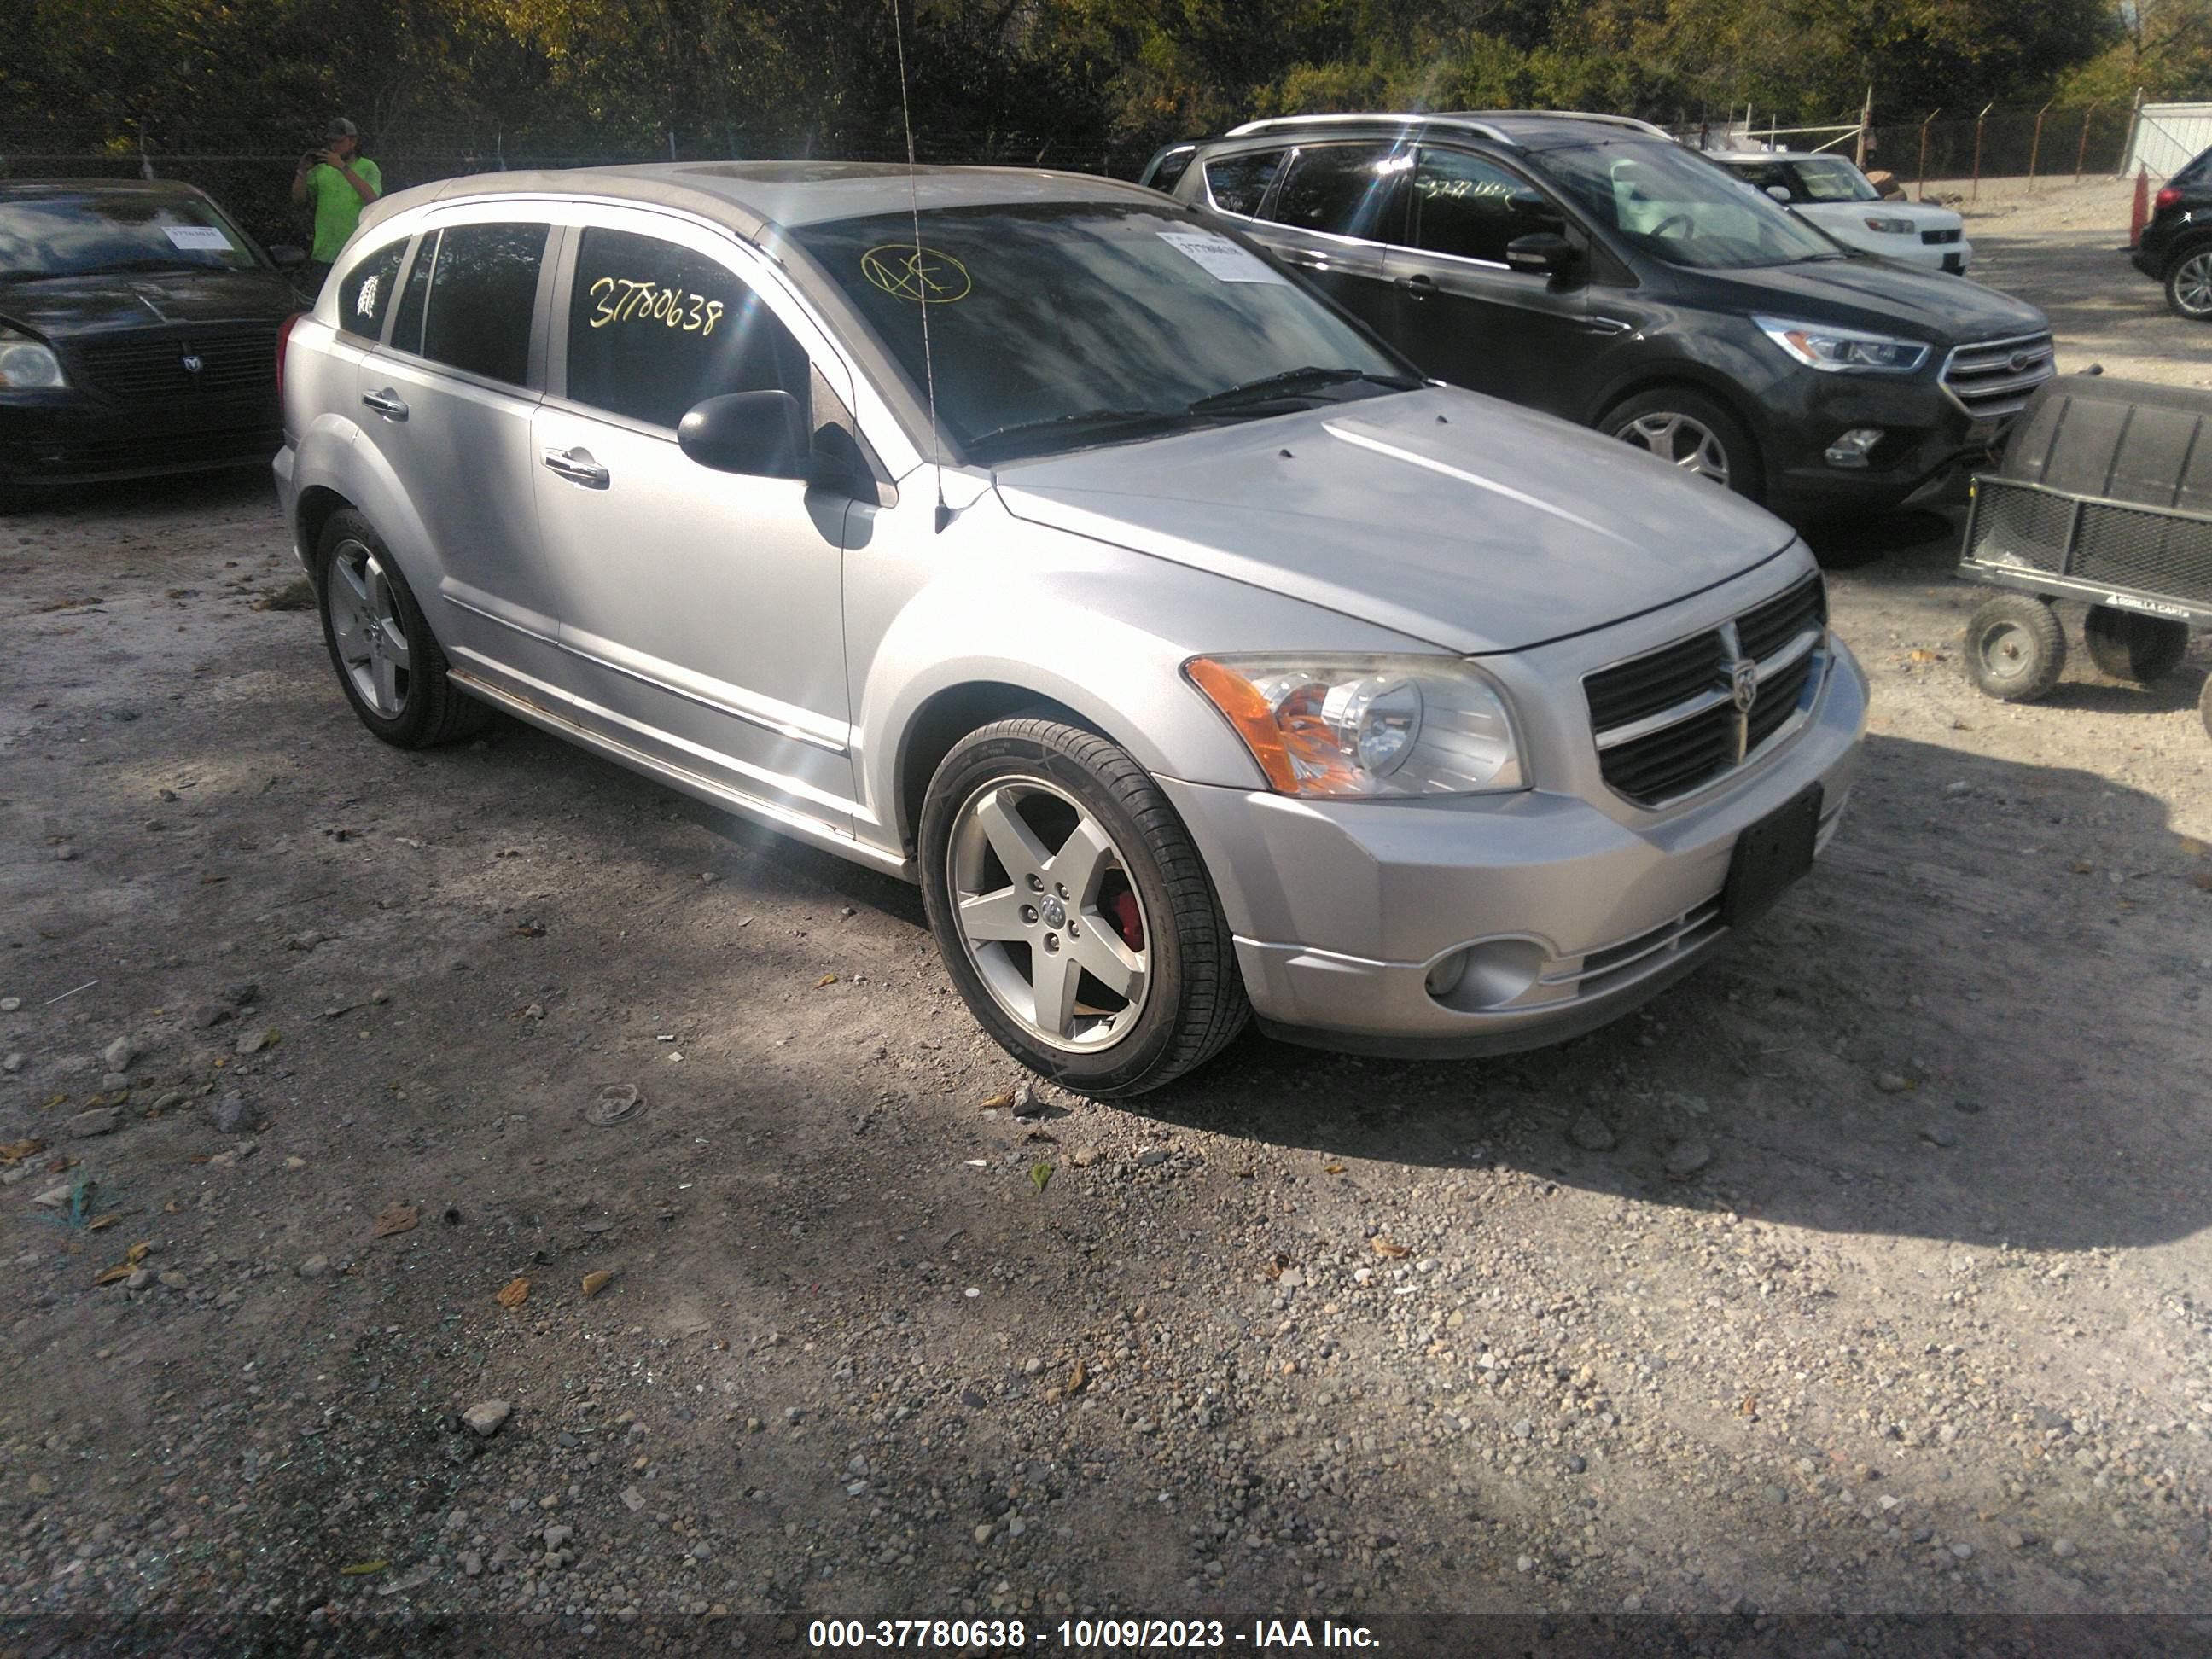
{"x":1127,"y":920}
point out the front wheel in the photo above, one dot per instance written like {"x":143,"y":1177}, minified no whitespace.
{"x":1072,"y":911}
{"x":1693,"y":433}
{"x":2129,"y":646}
{"x":2188,"y":285}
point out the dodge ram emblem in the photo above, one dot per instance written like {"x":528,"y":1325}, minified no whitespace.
{"x":193,"y":364}
{"x":1744,"y":682}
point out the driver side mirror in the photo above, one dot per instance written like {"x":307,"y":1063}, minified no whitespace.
{"x":1540,"y":253}
{"x":762,"y":435}
{"x":1780,"y":193}
{"x":285,"y":257}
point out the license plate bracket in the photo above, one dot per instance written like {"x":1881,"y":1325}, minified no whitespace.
{"x":1770,"y":856}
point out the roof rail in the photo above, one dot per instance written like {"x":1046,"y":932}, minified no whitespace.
{"x":1377,"y":117}
{"x":1573,"y":115}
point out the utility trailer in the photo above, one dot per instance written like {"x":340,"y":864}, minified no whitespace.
{"x":2104,"y":494}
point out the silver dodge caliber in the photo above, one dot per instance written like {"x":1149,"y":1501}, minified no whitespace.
{"x":1020,"y":534}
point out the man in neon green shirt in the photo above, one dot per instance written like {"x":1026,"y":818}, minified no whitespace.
{"x":339,"y":182}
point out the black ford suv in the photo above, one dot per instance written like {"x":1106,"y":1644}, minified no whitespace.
{"x":2177,"y":243}
{"x":1589,"y":266}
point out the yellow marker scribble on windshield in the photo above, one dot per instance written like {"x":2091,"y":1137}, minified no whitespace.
{"x":644,"y":301}
{"x":906,"y":271}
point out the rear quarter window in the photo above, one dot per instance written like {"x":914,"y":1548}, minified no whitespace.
{"x":482,"y":295}
{"x":1238,"y":183}
{"x":365,"y":291}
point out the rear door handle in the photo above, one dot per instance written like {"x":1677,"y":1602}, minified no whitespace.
{"x":1420,"y":287}
{"x":387,"y":403}
{"x":578,"y":467}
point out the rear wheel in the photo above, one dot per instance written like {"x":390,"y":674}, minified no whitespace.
{"x":2189,"y":284}
{"x":388,"y":664}
{"x":1072,"y":911}
{"x":2204,"y":705}
{"x":1694,"y":432}
{"x":2129,"y":646}
{"x":2015,"y":649}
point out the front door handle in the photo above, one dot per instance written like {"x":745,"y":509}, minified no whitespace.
{"x":387,"y":403}
{"x":578,"y":467}
{"x":1607,"y":325}
{"x":1304,"y":260}
{"x":1418,"y":287}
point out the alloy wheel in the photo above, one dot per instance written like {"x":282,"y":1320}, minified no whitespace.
{"x":371,"y":640}
{"x":2192,"y":285}
{"x":1678,"y":439}
{"x":1048,"y":915}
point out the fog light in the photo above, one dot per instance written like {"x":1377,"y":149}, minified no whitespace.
{"x":1852,"y":448}
{"x":1446,"y":974}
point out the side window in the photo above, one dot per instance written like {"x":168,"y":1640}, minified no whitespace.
{"x":1470,"y":207}
{"x":654,"y":328}
{"x":365,"y":294}
{"x":1347,"y":189}
{"x":1763,"y":175}
{"x":1168,"y":169}
{"x":1238,"y":183}
{"x":482,"y":290}
{"x":407,"y":327}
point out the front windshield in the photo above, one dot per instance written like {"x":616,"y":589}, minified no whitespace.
{"x":1832,"y":181}
{"x":93,"y":231}
{"x":1058,"y":324}
{"x":1679,"y":207}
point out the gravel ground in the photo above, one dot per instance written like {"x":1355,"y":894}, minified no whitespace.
{"x":1863,"y":1273}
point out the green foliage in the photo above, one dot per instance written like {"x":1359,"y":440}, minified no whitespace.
{"x":1071,"y":80}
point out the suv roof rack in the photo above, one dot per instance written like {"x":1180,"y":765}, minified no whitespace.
{"x":1481,"y":122}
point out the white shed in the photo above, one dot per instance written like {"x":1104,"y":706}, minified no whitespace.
{"x":2167,"y":138}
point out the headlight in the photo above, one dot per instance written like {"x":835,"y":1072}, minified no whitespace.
{"x":1816,"y":345}
{"x":1366,"y":725}
{"x":26,"y":365}
{"x":1891,"y":227}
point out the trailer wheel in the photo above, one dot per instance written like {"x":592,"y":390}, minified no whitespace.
{"x":2129,"y":646}
{"x":2015,"y":649}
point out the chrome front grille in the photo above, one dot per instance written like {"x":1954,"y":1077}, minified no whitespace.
{"x":1992,"y":381}
{"x":1672,"y":721}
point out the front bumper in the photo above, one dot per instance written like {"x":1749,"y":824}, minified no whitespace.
{"x":1341,"y":908}
{"x":66,"y":438}
{"x":1929,"y":437}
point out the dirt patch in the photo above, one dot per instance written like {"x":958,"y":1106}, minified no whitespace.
{"x":1864,"y":1272}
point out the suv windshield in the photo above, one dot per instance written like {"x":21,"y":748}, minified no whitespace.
{"x":1679,"y":207}
{"x":84,"y":233}
{"x":1057,"y":324}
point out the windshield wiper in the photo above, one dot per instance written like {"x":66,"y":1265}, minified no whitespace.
{"x":1295,"y":383}
{"x":1085,"y":423}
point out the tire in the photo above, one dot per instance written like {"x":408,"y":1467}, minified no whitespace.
{"x":2189,"y":283}
{"x":1694,"y":431}
{"x":2204,"y":705}
{"x":2015,"y":649}
{"x":1053,"y":796}
{"x":403,"y":694}
{"x":2129,"y":646}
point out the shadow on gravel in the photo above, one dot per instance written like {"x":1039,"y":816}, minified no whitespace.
{"x":2085,"y":284}
{"x":1915,"y":1042}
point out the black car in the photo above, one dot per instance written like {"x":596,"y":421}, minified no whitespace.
{"x":1590,"y":266}
{"x":138,"y":332}
{"x":2176,"y":247}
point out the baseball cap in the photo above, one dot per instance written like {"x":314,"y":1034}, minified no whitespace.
{"x":341,"y":128}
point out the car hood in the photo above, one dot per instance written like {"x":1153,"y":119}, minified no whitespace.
{"x":1876,"y":294}
{"x":66,"y":307}
{"x":1440,"y":514}
{"x":1920,"y":215}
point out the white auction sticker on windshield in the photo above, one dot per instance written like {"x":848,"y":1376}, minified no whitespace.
{"x":197,"y":238}
{"x":1221,"y":258}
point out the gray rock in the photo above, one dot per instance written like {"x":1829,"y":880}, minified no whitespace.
{"x":168,"y":1100}
{"x":1152,"y":1157}
{"x":1935,"y":1134}
{"x":12,"y":1063}
{"x":1687,"y":1159}
{"x":2063,"y":1549}
{"x":556,"y":1536}
{"x":64,"y":855}
{"x":1892,"y":1083}
{"x":175,"y":1281}
{"x":315,"y":1268}
{"x":1592,"y":1133}
{"x":484,"y":1418}
{"x":632,"y":1499}
{"x":10,"y":1004}
{"x":142,"y":1278}
{"x":254,"y":1041}
{"x":100,"y":1121}
{"x":119,"y":1053}
{"x":54,"y":1198}
{"x":472,"y":1563}
{"x":1084,"y":1156}
{"x":212,"y":1014}
{"x":114,"y":1082}
{"x":982,"y":1532}
{"x":230,"y":1112}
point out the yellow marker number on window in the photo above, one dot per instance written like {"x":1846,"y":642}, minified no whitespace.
{"x":629,"y":299}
